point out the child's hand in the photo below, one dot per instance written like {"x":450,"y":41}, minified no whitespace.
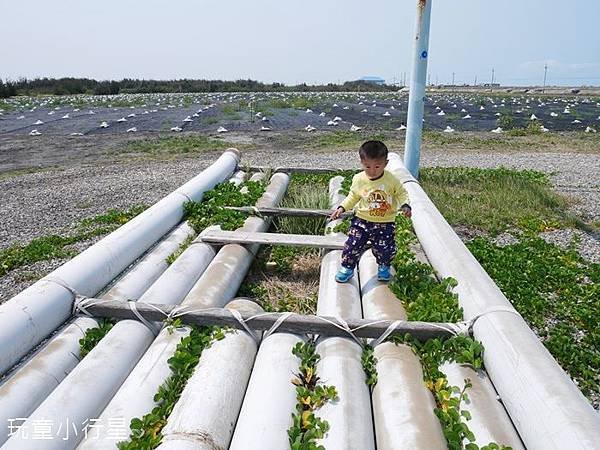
{"x":337,"y":213}
{"x":406,"y":210}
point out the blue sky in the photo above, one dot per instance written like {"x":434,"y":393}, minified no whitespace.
{"x":294,"y":41}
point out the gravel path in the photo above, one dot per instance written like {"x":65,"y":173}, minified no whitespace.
{"x":54,"y":201}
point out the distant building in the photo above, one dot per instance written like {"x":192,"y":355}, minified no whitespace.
{"x":373,"y":80}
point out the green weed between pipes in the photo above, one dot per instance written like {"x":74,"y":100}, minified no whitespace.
{"x":369,"y":364}
{"x":182,"y":247}
{"x":306,"y":190}
{"x":423,"y":296}
{"x":307,"y":428}
{"x":93,"y":335}
{"x":210,"y":210}
{"x":146,"y":433}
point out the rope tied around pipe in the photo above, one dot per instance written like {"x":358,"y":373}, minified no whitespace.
{"x":62,"y":283}
{"x":471,"y":323}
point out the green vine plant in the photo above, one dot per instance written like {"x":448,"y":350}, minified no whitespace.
{"x":211,"y":211}
{"x":92,"y":336}
{"x":182,"y":247}
{"x":306,"y":427}
{"x":369,"y":364}
{"x":146,"y":433}
{"x":424,"y":297}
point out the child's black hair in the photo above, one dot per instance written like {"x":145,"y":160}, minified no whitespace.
{"x":373,"y":150}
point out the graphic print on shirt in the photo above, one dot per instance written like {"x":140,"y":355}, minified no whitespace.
{"x":377,"y":203}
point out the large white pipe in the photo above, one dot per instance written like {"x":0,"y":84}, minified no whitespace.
{"x":83,"y":393}
{"x":129,"y":338}
{"x":28,"y":385}
{"x":270,"y":399}
{"x":29,"y":317}
{"x":489,"y":420}
{"x":546,"y":407}
{"x":349,"y":417}
{"x":218,"y":384}
{"x":402,"y":405}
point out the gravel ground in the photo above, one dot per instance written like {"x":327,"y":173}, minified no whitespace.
{"x":53,"y":201}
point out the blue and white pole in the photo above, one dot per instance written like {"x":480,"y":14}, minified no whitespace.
{"x":416,"y":96}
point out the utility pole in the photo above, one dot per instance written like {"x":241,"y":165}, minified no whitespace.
{"x":492,"y":84}
{"x":475,"y":84}
{"x":416,"y":97}
{"x":453,"y":78}
{"x":545,"y":73}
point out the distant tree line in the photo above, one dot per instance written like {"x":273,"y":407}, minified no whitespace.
{"x":7,"y":89}
{"x":70,"y":86}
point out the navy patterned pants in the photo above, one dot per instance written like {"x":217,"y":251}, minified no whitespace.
{"x":381,"y":236}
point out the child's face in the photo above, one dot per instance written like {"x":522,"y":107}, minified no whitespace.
{"x":374,"y":167}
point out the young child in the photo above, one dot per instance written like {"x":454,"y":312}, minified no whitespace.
{"x":378,"y":196}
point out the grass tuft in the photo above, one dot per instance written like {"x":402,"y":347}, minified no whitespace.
{"x":493,"y":200}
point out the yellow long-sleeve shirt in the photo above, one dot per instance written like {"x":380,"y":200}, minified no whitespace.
{"x":375,"y":200}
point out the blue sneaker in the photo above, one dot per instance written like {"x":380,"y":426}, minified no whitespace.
{"x":383,"y":273}
{"x":343,"y":275}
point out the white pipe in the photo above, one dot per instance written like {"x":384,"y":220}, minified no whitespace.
{"x":218,"y":384}
{"x":266,"y":412}
{"x":63,"y":404}
{"x":489,"y":420}
{"x":349,"y":417}
{"x":30,"y":316}
{"x":378,"y":301}
{"x":24,"y":389}
{"x":402,"y":405}
{"x":30,"y":384}
{"x":270,"y":399}
{"x":340,"y":365}
{"x":546,"y":407}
